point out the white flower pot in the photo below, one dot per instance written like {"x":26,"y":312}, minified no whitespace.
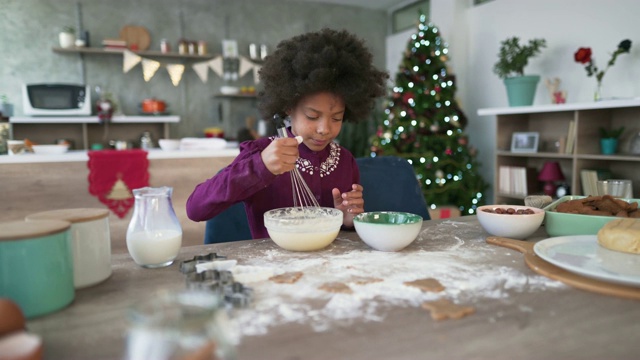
{"x":67,"y":40}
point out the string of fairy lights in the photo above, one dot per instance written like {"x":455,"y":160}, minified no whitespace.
{"x":423,"y":124}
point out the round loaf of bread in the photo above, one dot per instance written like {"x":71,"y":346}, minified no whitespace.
{"x":621,"y":235}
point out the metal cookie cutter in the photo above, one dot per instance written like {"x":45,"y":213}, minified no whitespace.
{"x":237,"y":294}
{"x":212,"y":280}
{"x":189,"y":266}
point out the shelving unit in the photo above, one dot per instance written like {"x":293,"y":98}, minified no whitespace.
{"x":86,"y":130}
{"x":101,"y":51}
{"x":552,"y":123}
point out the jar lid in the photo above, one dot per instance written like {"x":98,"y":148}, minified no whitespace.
{"x":70,"y":215}
{"x":22,"y":230}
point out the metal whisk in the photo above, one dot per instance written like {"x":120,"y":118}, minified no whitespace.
{"x":302,"y":194}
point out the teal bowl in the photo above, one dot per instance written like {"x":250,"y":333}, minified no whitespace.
{"x":565,"y":224}
{"x":37,"y":263}
{"x":387,"y":230}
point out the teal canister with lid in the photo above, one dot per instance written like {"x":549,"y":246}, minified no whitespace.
{"x":36,"y":265}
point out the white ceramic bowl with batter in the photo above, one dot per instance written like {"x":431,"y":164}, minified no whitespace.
{"x":303,"y":228}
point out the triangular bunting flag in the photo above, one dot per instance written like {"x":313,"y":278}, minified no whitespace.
{"x":149,"y":68}
{"x":130,"y":60}
{"x":175,"y":73}
{"x":256,"y":75}
{"x":202,"y":69}
{"x":216,"y":65}
{"x":245,"y":66}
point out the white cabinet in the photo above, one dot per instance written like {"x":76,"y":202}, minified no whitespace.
{"x":86,"y":130}
{"x":552,"y":122}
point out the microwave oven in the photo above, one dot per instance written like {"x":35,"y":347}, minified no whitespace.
{"x":56,"y":99}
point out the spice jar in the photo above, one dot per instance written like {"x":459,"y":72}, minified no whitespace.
{"x":202,"y":47}
{"x":164,"y":46}
{"x":182,"y":46}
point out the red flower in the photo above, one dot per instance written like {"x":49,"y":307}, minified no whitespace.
{"x":583,"y":55}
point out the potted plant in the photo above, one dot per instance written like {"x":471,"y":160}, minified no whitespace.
{"x":609,"y":140}
{"x":67,"y":37}
{"x":512,"y":59}
{"x":6,"y":108}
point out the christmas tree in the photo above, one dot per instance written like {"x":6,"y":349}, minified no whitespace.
{"x":424,"y":124}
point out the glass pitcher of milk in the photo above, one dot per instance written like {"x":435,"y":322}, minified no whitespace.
{"x":154,"y":235}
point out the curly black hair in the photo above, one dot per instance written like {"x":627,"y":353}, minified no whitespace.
{"x":326,"y":60}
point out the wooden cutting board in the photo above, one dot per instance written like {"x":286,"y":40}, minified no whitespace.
{"x":549,"y":270}
{"x":136,"y":35}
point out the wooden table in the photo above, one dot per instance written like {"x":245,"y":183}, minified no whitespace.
{"x":518,"y":314}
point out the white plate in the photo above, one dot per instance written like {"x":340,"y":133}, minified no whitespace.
{"x":581,"y":254}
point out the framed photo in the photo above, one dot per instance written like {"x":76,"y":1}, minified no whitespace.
{"x":525,"y":142}
{"x":229,"y":49}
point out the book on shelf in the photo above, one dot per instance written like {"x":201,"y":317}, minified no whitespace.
{"x":517,"y":180}
{"x":589,"y":180}
{"x":114,"y":42}
{"x":571,"y":137}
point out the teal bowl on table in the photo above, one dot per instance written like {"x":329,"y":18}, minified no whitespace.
{"x":387,"y":230}
{"x":37,"y":265}
{"x":564,"y":224}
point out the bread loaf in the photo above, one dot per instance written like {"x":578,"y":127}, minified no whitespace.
{"x":621,"y":235}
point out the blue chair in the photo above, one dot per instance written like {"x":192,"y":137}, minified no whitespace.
{"x":229,"y":225}
{"x":390,"y":184}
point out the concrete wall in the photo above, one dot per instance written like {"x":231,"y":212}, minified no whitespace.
{"x":29,"y":29}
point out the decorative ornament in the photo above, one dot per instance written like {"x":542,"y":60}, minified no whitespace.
{"x":462,"y":141}
{"x":434,"y":128}
{"x":439,"y":174}
{"x":245,"y":66}
{"x":175,"y":73}
{"x":216,"y":65}
{"x":130,"y":60}
{"x":407,"y":96}
{"x":448,"y":151}
{"x":119,"y":191}
{"x":202,"y":70}
{"x":553,"y":86}
{"x":149,"y":68}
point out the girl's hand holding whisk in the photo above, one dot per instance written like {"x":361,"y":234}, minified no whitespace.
{"x":350,"y":203}
{"x":281,"y":155}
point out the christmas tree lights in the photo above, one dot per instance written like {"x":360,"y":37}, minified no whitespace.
{"x":423,"y":123}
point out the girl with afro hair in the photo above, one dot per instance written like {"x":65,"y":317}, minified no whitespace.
{"x":316,"y":81}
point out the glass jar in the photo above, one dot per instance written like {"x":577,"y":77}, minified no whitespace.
{"x":190,"y":324}
{"x":165,"y":47}
{"x":146,"y":142}
{"x":202,"y":47}
{"x":154,"y":235}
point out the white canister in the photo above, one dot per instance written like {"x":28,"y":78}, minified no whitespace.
{"x":90,"y":239}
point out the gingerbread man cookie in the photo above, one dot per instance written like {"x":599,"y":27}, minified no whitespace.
{"x":444,"y":309}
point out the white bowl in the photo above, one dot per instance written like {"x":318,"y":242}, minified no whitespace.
{"x":388,"y":230}
{"x":50,"y":149}
{"x":514,"y":226}
{"x":169,"y":144}
{"x":303,"y":229}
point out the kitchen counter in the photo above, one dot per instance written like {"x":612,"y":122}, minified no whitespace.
{"x":33,"y":183}
{"x":518,"y":314}
{"x":81,"y":155}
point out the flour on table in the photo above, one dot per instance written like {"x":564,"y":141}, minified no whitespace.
{"x":436,"y":254}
